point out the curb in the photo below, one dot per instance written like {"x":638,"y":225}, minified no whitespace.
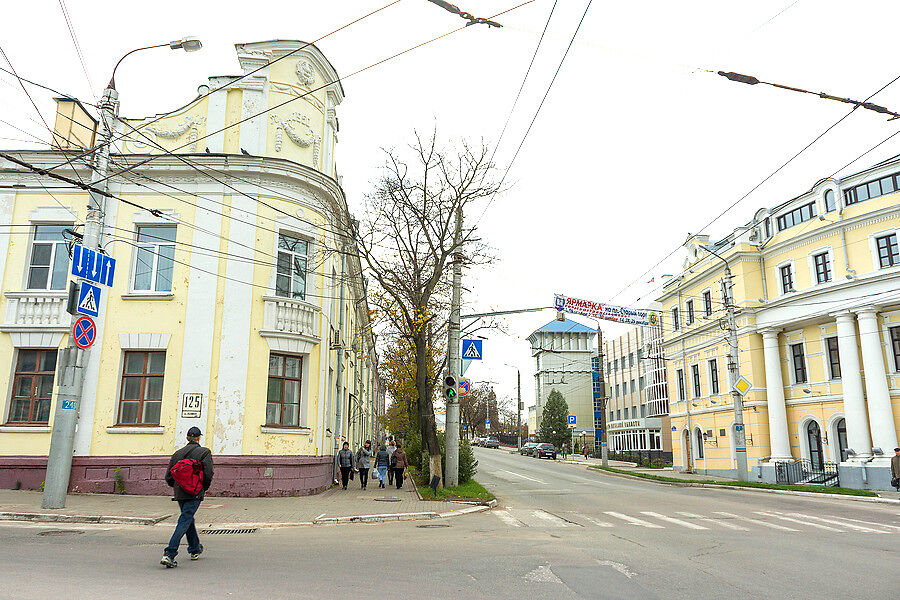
{"x":754,"y":489}
{"x":100,"y":519}
{"x":377,"y":518}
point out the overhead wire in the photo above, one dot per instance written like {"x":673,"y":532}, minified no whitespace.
{"x":71,"y":27}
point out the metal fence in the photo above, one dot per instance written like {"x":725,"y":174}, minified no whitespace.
{"x":805,"y":472}
{"x":641,"y":457}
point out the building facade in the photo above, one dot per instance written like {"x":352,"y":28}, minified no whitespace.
{"x":563,"y":351}
{"x":638,"y":404}
{"x":235,"y":306}
{"x":817,"y":289}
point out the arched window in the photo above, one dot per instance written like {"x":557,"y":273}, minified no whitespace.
{"x":830,"y":204}
{"x":699,"y":437}
{"x":814,"y":437}
{"x":841,"y":428}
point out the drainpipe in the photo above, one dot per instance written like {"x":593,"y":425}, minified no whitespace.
{"x":849,"y":273}
{"x":336,"y":435}
{"x":687,"y":402}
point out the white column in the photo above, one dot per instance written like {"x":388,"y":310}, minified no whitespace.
{"x":851,"y":380}
{"x":881,"y":417}
{"x":779,"y":443}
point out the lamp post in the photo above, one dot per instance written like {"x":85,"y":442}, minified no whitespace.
{"x":72,"y":359}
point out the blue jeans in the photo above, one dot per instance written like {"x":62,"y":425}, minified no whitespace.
{"x":382,"y":471}
{"x":185,"y":526}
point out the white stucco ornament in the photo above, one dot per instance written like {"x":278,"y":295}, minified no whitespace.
{"x":306,"y":74}
{"x":290,"y":126}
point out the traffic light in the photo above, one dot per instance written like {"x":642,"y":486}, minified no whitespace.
{"x":451,"y":391}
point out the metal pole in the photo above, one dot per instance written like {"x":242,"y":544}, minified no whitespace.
{"x":518,"y":408}
{"x":740,"y":446}
{"x":451,"y":441}
{"x":604,"y":451}
{"x":72,"y":360}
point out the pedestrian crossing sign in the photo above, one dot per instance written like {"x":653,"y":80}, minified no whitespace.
{"x":88,"y":300}
{"x":742,"y":386}
{"x":472,"y":350}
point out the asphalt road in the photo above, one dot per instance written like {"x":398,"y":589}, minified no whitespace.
{"x":561,"y":532}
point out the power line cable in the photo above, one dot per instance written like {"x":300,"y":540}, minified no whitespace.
{"x":65,"y":12}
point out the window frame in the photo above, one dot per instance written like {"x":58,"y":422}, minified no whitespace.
{"x":34,"y":375}
{"x":820,"y":270}
{"x":155,"y":248}
{"x":851,"y":195}
{"x":801,"y":368}
{"x":782,"y":283}
{"x":283,"y":378}
{"x":695,"y":381}
{"x":675,"y":320}
{"x":801,"y":214}
{"x":712,"y":365}
{"x":689,"y":313}
{"x":833,"y":200}
{"x":833,"y":357}
{"x":293,"y":255}
{"x":679,"y":381}
{"x":144,"y":375}
{"x":707,"y":303}
{"x":895,"y":345}
{"x":53,"y":256}
{"x":894,"y":257}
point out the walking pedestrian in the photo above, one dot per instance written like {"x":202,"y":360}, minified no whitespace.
{"x":382,"y":462}
{"x":345,"y":462}
{"x":364,"y":463}
{"x":895,"y":469}
{"x":585,"y":451}
{"x":189,"y":474}
{"x":398,"y":464}
{"x":391,"y":447}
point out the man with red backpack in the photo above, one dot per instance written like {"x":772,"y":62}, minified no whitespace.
{"x":189,"y":473}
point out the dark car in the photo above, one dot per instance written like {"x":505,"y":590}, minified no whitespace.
{"x":544,"y":451}
{"x":526,"y":449}
{"x":491,"y":442}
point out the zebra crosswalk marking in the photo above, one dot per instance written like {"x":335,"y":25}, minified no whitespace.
{"x":672,"y":520}
{"x":593,"y":520}
{"x":783,"y":518}
{"x":866,"y":522}
{"x":833,"y":522}
{"x":755,"y":521}
{"x":507,"y":518}
{"x":724,"y":524}
{"x":633,"y":520}
{"x":540,"y":514}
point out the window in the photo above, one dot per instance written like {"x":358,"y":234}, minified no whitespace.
{"x":155,"y":259}
{"x":768,"y":226}
{"x":674,"y":319}
{"x":49,"y":268}
{"x":787,"y":279}
{"x":616,"y":363}
{"x":142,"y":386}
{"x":799,"y":363}
{"x":624,"y":388}
{"x":823,"y":267}
{"x":799,"y":215}
{"x":290,"y":278}
{"x":642,"y":383}
{"x":680,"y":377}
{"x":871,"y":189}
{"x":888,"y":255}
{"x":695,"y":375}
{"x":834,"y":357}
{"x":633,"y":388}
{"x":612,"y":414}
{"x":689,"y":312}
{"x":895,"y":345}
{"x":283,"y":399}
{"x":829,"y":201}
{"x":643,"y":410}
{"x":617,"y":390}
{"x":631,"y":359}
{"x":698,"y":435}
{"x":713,"y":377}
{"x":618,"y":414}
{"x":707,"y":303}
{"x":32,"y":386}
{"x":626,"y":413}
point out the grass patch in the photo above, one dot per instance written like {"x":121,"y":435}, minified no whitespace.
{"x":470,"y":490}
{"x":750,"y":484}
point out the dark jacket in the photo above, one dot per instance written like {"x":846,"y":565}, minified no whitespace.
{"x":345,"y":458}
{"x":197,"y":452}
{"x":383,"y":458}
{"x":399,"y":459}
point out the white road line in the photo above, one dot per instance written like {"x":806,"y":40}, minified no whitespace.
{"x":783,"y":518}
{"x":593,"y":520}
{"x":541,"y":514}
{"x":833,"y":522}
{"x":633,"y":520}
{"x":507,"y":518}
{"x":525,"y":477}
{"x":672,"y":520}
{"x":866,"y":522}
{"x":725,"y":524}
{"x":755,"y":521}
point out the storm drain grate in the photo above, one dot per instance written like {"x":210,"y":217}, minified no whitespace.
{"x":229,"y":531}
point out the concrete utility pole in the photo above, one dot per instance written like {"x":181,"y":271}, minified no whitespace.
{"x":518,"y":408}
{"x":734,"y":373}
{"x":604,"y":447}
{"x":451,"y":437}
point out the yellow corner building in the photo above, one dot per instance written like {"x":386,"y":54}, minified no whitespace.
{"x":817,"y":290}
{"x":235,"y":306}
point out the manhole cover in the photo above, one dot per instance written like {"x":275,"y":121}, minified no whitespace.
{"x":61,"y":532}
{"x":387,"y":499}
{"x":229,"y":531}
{"x":432,"y":525}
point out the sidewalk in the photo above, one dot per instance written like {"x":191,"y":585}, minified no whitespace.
{"x":332,"y":506}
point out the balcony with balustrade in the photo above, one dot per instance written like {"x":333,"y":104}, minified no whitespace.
{"x":36,"y":318}
{"x":290,"y":325}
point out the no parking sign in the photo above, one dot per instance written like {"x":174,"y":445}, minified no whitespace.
{"x":84,"y":332}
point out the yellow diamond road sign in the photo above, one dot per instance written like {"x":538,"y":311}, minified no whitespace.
{"x":742,"y":386}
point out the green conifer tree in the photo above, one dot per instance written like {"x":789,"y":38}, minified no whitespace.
{"x":554,"y":420}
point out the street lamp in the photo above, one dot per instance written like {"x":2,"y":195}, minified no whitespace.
{"x":188,"y":44}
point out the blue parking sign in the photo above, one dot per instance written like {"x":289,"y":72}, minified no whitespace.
{"x":571,"y":419}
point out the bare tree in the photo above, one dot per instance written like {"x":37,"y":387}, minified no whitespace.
{"x":406,"y":239}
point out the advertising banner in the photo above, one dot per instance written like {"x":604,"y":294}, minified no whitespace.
{"x":607,"y":312}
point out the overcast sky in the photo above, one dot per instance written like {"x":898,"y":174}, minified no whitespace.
{"x":635,"y":147}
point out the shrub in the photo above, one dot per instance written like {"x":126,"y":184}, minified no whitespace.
{"x":418,"y":458}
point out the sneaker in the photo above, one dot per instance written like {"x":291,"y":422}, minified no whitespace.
{"x":196,"y":555}
{"x":168,"y":561}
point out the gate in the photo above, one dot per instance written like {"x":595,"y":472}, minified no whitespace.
{"x":807,"y":472}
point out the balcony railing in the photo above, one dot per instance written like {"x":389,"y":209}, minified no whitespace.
{"x":35,"y":310}
{"x":287,"y":316}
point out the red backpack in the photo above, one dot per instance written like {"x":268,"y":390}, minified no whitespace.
{"x":188,"y":474}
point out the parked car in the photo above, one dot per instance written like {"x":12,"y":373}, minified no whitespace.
{"x":544,"y":450}
{"x":478,"y":441}
{"x":491,"y":442}
{"x":526,"y":449}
